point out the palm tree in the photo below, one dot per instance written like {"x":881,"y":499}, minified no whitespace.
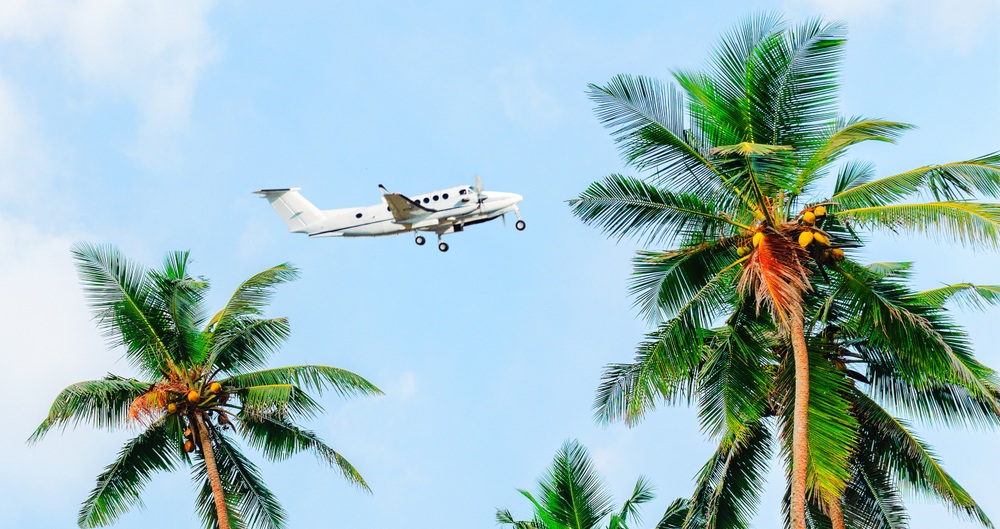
{"x":858,"y":368}
{"x":198,"y":381}
{"x":572,"y":495}
{"x":733,"y":162}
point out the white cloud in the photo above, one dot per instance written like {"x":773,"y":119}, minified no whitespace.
{"x":150,"y":53}
{"x":49,"y":343}
{"x":25,"y":167}
{"x":956,"y":25}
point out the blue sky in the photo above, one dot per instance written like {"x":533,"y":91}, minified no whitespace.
{"x":149,"y":126}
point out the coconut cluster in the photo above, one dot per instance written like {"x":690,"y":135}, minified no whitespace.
{"x":809,"y":236}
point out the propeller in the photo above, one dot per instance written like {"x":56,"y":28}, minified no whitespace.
{"x":477,"y":186}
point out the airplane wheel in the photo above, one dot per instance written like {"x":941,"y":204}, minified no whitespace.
{"x":520,"y":225}
{"x":443,"y":246}
{"x":420,"y":240}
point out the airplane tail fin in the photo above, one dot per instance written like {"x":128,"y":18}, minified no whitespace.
{"x":293,"y":208}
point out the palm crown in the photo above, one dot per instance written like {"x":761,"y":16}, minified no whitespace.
{"x":572,"y":495}
{"x":200,"y":379}
{"x":734,"y":161}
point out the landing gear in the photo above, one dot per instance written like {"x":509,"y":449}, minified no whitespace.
{"x":520,"y":225}
{"x":420,"y":240}
{"x":443,"y":246}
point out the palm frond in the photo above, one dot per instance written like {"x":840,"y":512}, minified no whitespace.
{"x":775,"y":276}
{"x":119,"y":487}
{"x":845,"y":134}
{"x":629,"y":207}
{"x":279,"y":439}
{"x":247,"y":343}
{"x":909,"y":460}
{"x":967,"y":295}
{"x":872,"y":500}
{"x":277,"y":401}
{"x":309,"y":377}
{"x":973,"y":224}
{"x":253,"y":295}
{"x":181,"y":296}
{"x":678,"y":516}
{"x":729,"y":486}
{"x":572,"y":494}
{"x":120,"y":293}
{"x":641,"y":493}
{"x":948,"y":182}
{"x":248,"y":500}
{"x":101,"y":403}
{"x":735,"y":381}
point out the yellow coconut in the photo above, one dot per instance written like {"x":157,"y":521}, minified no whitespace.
{"x":188,"y":433}
{"x":757,"y":238}
{"x":837,"y":254}
{"x":188,"y":446}
{"x":820,"y":211}
{"x":214,"y":387}
{"x":193,"y":396}
{"x":805,"y":238}
{"x":171,"y":408}
{"x":742,"y":250}
{"x":820,"y":238}
{"x":809,"y":217}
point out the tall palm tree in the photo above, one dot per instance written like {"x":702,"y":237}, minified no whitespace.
{"x":572,"y":495}
{"x":199,"y":381}
{"x":733,"y":163}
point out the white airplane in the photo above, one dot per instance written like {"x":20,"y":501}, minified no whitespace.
{"x":445,"y":211}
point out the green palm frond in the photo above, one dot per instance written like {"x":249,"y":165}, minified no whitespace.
{"x":253,"y":295}
{"x":277,"y":401}
{"x":572,"y":493}
{"x":642,"y":492}
{"x":624,"y":206}
{"x":647,"y":121}
{"x":100,"y":403}
{"x":728,"y":487}
{"x":973,"y":224}
{"x":734,"y":382}
{"x":678,"y":516}
{"x":699,"y":278}
{"x":853,"y":173}
{"x":247,"y":343}
{"x":120,"y":486}
{"x":279,"y":439}
{"x":504,"y":517}
{"x":120,"y":293}
{"x":872,"y":500}
{"x":832,"y":428}
{"x":978,"y":297}
{"x":847,"y":133}
{"x":248,"y":500}
{"x":909,"y":460}
{"x":948,"y":182}
{"x":309,"y":377}
{"x":181,"y":297}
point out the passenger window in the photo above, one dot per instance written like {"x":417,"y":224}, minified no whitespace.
{"x":435,"y":197}
{"x":358,"y":216}
{"x":426,"y":200}
{"x":445,"y":196}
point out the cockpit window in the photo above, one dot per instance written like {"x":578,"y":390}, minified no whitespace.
{"x":461,"y":191}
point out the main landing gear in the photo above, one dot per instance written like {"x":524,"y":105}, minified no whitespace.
{"x":443,"y":246}
{"x":420,"y":240}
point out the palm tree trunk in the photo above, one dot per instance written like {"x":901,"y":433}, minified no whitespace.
{"x":836,"y":514}
{"x":213,"y":473}
{"x":800,"y":424}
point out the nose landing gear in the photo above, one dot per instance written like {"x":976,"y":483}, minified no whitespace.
{"x":520,"y":225}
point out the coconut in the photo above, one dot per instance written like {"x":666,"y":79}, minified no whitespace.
{"x":193,"y":396}
{"x":820,"y":238}
{"x":758,"y":238}
{"x":805,"y":238}
{"x":837,"y":254}
{"x":171,"y":408}
{"x":742,"y":250}
{"x":820,"y":211}
{"x":215,"y":387}
{"x":809,"y":217}
{"x":188,"y":433}
{"x":188,"y":446}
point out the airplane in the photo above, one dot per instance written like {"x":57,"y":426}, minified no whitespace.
{"x":445,"y":211}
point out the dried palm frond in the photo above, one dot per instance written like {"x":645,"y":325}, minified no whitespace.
{"x":777,"y":274}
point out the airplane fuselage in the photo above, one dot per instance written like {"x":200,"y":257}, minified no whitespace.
{"x":454,"y":207}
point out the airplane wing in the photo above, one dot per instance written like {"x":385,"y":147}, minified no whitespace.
{"x":404,"y":210}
